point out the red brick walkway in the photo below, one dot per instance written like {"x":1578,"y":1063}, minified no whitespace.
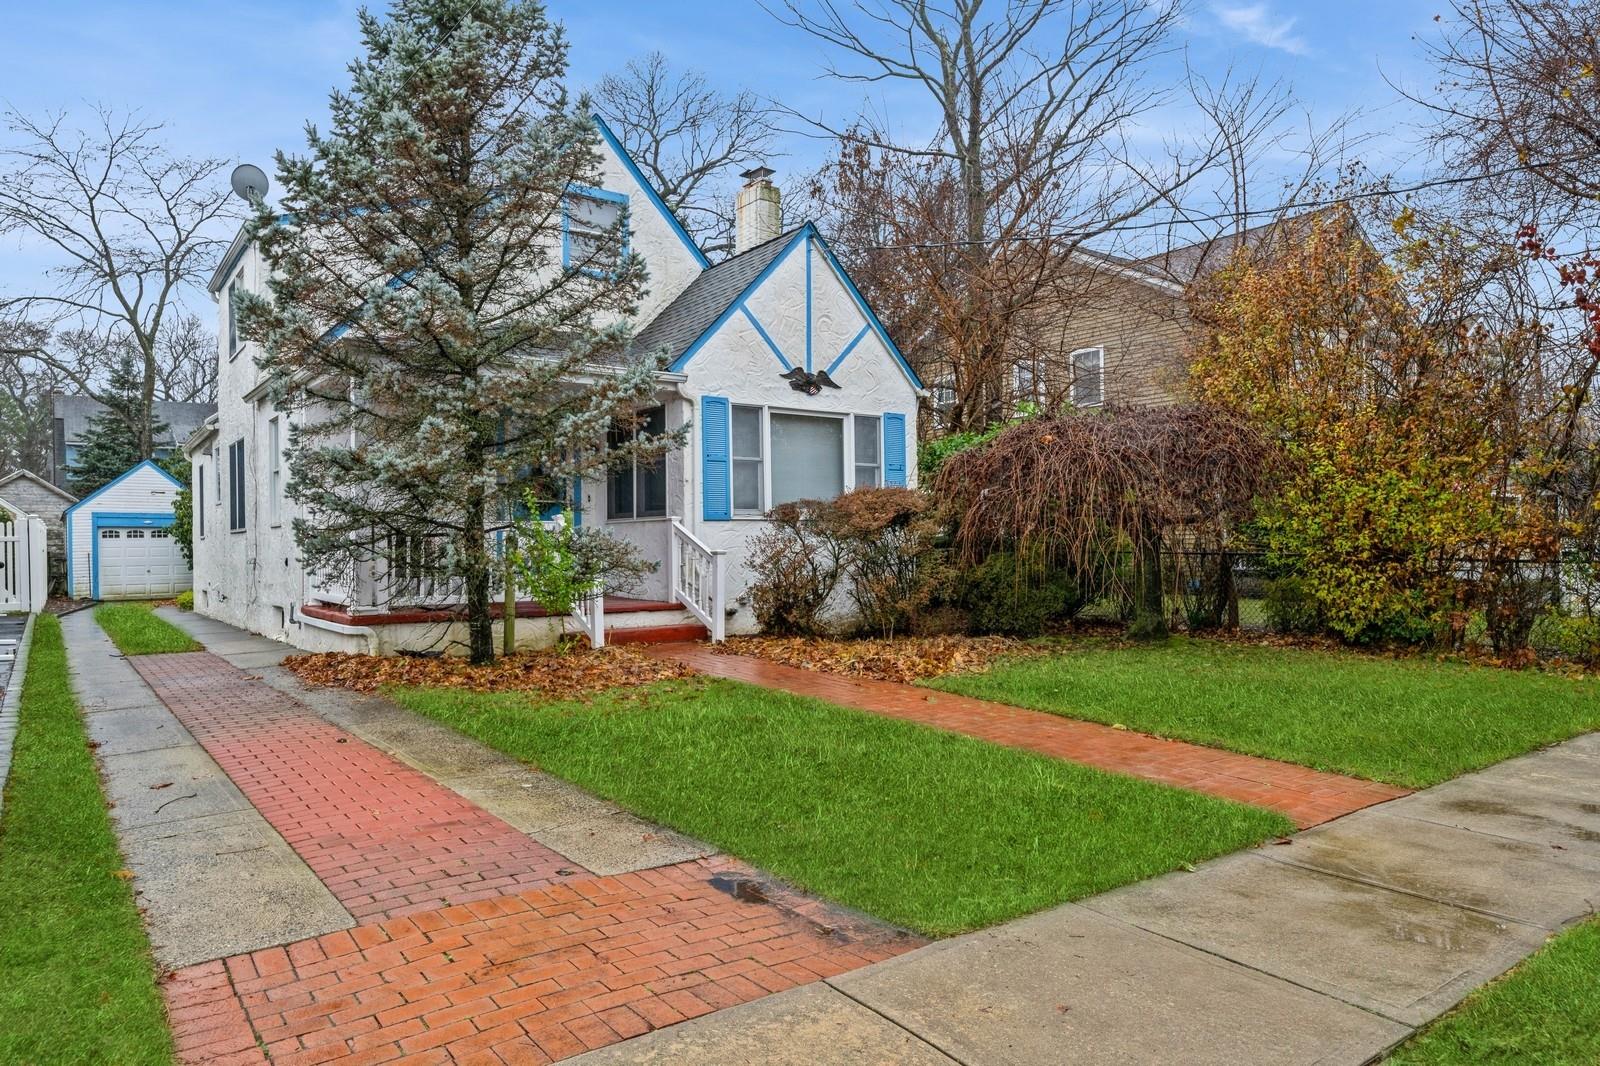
{"x":1310,"y":797}
{"x":479,"y":944}
{"x":526,"y":978}
{"x":386,"y":839}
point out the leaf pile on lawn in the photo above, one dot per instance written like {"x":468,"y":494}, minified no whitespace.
{"x":902,"y":659}
{"x":558,"y":674}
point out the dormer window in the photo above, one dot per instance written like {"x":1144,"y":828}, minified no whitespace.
{"x":589,"y":239}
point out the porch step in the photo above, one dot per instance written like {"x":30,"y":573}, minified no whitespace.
{"x":656,"y":634}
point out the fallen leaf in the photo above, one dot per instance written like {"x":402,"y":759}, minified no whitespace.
{"x":123,"y":875}
{"x":164,"y":784}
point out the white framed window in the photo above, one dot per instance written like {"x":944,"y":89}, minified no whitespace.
{"x":1026,"y":380}
{"x":589,"y":239}
{"x":1089,"y":377}
{"x":234,"y":288}
{"x":869,"y":451}
{"x":749,"y":463}
{"x":274,"y":472}
{"x":807,"y":456}
{"x":638,"y":489}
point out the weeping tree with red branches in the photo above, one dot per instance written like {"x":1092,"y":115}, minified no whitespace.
{"x":1064,"y":491}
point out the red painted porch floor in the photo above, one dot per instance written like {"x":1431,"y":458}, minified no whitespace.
{"x":475,"y":942}
{"x":1309,"y":797}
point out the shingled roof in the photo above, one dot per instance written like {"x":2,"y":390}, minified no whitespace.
{"x":697,"y":308}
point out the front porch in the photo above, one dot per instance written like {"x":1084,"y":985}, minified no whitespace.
{"x":406,"y":583}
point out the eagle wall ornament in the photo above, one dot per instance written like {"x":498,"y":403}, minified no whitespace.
{"x":807,"y":382}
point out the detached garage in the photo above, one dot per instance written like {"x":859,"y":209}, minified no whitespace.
{"x":119,"y":539}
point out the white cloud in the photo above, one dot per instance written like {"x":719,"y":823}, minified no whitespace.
{"x":1257,"y":24}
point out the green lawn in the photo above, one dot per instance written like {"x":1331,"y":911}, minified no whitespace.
{"x":1546,"y":1012}
{"x":1411,"y":722}
{"x":929,"y":830}
{"x":77,"y":982}
{"x":135,"y":629}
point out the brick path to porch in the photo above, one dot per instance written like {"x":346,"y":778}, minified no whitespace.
{"x":1309,"y":797}
{"x":475,"y":943}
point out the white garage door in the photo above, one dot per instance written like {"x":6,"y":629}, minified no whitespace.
{"x":140,"y":563}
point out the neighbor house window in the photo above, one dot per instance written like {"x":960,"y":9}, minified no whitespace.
{"x":638,"y":489}
{"x":1088,"y":377}
{"x":869,"y":452}
{"x":589,"y":237}
{"x":236,"y":485}
{"x":748,"y":465}
{"x":274,"y":473}
{"x":234,"y":288}
{"x":807,"y":457}
{"x":1027,"y":383}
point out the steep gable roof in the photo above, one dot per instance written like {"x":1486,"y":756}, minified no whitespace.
{"x":708,"y":297}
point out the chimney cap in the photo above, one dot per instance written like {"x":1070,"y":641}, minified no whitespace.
{"x":759,"y":172}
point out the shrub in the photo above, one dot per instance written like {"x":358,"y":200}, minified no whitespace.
{"x":185,"y":600}
{"x":795,"y":565}
{"x":1008,"y":595}
{"x":1291,"y":606}
{"x":1571,"y":637}
{"x":891,"y":554}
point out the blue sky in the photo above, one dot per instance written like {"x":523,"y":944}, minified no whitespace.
{"x":240,"y":80}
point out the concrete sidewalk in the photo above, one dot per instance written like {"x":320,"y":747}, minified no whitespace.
{"x":1329,"y":949}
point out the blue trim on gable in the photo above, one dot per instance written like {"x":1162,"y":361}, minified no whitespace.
{"x":865,"y":308}
{"x":768,"y":338}
{"x":650,"y":192}
{"x":808,"y":307}
{"x":711,"y":330}
{"x":110,"y":518}
{"x":850,"y":347}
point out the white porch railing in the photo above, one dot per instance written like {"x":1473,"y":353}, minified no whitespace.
{"x":412,"y":573}
{"x":23,"y":580}
{"x":698,"y":577}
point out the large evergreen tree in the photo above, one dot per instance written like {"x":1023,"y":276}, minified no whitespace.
{"x":117,"y":436}
{"x":422,"y":308}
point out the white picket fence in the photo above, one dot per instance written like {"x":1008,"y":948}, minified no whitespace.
{"x":24,"y":581}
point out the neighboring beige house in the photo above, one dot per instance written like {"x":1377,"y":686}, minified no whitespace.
{"x":36,"y":496}
{"x":1123,"y":337}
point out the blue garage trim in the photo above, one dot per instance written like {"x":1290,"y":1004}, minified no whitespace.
{"x":109,"y":518}
{"x":850,"y":347}
{"x":808,"y":307}
{"x":650,"y":192}
{"x":865,"y":308}
{"x":66,"y":517}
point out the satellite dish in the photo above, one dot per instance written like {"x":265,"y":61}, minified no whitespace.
{"x":249,"y":183}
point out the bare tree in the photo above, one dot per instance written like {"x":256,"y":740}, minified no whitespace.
{"x":688,"y":138}
{"x":1036,"y":100}
{"x":25,"y":387}
{"x":133,"y":227}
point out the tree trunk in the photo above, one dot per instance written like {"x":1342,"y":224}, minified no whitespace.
{"x":480,"y":624}
{"x":1149,"y":611}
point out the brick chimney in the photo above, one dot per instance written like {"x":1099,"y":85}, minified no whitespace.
{"x":758,"y":210}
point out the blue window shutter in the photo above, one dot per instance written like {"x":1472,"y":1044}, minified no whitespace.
{"x":716,"y":487}
{"x":894,"y":450}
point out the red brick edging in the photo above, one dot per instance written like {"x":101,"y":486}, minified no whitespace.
{"x":1309,"y":797}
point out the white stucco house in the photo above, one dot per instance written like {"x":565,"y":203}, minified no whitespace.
{"x":120,"y":544}
{"x":782,"y":304}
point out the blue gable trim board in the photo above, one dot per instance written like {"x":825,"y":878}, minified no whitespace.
{"x":146,"y":521}
{"x":768,"y":338}
{"x":66,"y":516}
{"x":738,"y":304}
{"x":716,"y":472}
{"x":805,"y":235}
{"x":865,"y":308}
{"x":650,"y":191}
